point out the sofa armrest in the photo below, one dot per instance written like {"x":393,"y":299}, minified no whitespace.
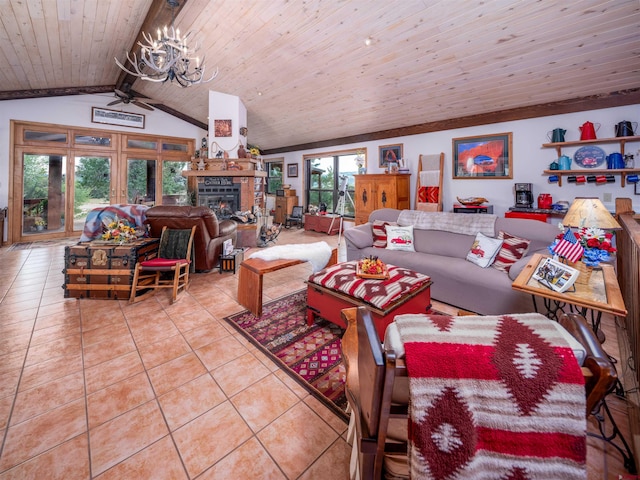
{"x":517,"y":267}
{"x":360,"y":236}
{"x":227,"y":227}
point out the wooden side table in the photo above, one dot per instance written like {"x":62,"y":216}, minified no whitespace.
{"x":601,"y":295}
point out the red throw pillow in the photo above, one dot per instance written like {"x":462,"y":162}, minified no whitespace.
{"x":513,"y":249}
{"x":380,"y":233}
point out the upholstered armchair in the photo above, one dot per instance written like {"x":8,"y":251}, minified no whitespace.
{"x":210,"y":233}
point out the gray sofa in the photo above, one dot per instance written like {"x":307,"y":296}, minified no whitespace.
{"x":442,"y":256}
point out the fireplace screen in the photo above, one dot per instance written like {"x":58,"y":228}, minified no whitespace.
{"x":223,"y":197}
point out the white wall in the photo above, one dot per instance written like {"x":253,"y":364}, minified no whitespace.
{"x":75,"y":110}
{"x":529,"y":158}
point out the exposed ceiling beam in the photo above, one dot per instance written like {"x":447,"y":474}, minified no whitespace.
{"x":54,"y":92}
{"x":593,"y":102}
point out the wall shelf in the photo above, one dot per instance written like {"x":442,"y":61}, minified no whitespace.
{"x":594,"y":171}
{"x":621,"y":140}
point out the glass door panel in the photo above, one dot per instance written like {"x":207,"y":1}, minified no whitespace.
{"x":174,"y":185}
{"x":43,"y":187}
{"x":141,"y":181}
{"x":92,"y":187}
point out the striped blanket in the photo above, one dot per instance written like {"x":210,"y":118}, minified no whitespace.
{"x":493,"y":397}
{"x":133,"y":214}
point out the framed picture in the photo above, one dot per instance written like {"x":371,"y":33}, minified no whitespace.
{"x":555,"y":275}
{"x":292,"y":169}
{"x":222,"y":128}
{"x":389,"y":153}
{"x":113,"y":117}
{"x":483,"y":156}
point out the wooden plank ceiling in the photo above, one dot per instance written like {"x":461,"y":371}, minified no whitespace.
{"x":303,"y":70}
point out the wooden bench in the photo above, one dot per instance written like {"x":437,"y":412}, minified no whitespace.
{"x":250,"y":279}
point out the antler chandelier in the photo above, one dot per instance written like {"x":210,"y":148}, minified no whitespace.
{"x":168,"y":57}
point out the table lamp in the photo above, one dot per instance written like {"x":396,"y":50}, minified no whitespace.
{"x":589,"y":212}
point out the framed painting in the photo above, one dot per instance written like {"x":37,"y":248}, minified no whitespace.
{"x":389,"y":153}
{"x":222,"y":128}
{"x":483,"y":156}
{"x":113,"y":117}
{"x":292,"y":169}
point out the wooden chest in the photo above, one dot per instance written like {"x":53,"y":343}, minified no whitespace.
{"x":103,"y":270}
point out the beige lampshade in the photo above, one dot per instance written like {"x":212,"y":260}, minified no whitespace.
{"x":589,"y":212}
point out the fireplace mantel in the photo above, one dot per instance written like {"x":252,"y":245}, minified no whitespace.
{"x":224,"y":173}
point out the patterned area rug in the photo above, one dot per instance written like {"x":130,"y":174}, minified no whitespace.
{"x":311,"y":355}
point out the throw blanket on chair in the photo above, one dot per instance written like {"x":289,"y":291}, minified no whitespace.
{"x":493,"y":397}
{"x":317,"y":254}
{"x":449,"y":222}
{"x":135,"y":215}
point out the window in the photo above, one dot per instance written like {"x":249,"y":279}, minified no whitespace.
{"x":274,"y":176}
{"x":330,"y":180}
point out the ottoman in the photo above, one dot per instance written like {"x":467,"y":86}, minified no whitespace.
{"x":338,"y":287}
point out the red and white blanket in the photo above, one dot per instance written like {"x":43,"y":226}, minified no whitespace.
{"x":493,"y":397}
{"x":379,"y":293}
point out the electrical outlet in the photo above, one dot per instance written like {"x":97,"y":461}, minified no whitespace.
{"x":606,"y":197}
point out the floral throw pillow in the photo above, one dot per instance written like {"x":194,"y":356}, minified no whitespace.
{"x":513,"y":249}
{"x":484,"y":250}
{"x":400,"y":238}
{"x":380,"y":233}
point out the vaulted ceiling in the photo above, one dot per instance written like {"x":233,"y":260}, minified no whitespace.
{"x":302,"y":69}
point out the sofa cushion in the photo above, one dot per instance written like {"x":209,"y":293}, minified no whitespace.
{"x":484,"y":250}
{"x":400,"y":238}
{"x":513,"y":249}
{"x":380,"y":233}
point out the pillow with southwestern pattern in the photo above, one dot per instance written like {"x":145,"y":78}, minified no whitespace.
{"x":380,"y":233}
{"x":513,"y":249}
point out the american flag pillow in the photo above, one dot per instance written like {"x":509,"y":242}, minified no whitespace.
{"x":513,"y":249}
{"x":380,"y":233}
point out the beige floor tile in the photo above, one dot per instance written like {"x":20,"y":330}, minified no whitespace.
{"x":176,"y":372}
{"x":190,"y":400}
{"x":220,"y":352}
{"x":57,"y":348}
{"x":102,"y":333}
{"x":5,"y":408}
{"x":206,"y":334}
{"x":211,"y":436}
{"x":159,"y":461}
{"x":125,"y":435}
{"x":250,"y":460}
{"x":47,"y":396}
{"x":12,"y":361}
{"x":118,"y":398}
{"x":155,"y":354}
{"x":112,"y":371}
{"x":264,"y":401}
{"x":232,"y":383}
{"x":108,"y":350}
{"x":152,"y":330}
{"x":41,"y":433}
{"x":34,"y":375}
{"x":296,"y":439}
{"x":333,"y":463}
{"x":69,"y":460}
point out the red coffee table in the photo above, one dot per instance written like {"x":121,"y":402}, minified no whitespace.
{"x":338,"y":287}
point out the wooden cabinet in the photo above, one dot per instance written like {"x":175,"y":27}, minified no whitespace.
{"x":623,"y":172}
{"x":375,"y":191}
{"x":284,"y":207}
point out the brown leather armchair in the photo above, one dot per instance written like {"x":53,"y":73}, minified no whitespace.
{"x":209,"y":236}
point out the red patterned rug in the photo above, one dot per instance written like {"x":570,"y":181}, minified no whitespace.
{"x":311,"y":355}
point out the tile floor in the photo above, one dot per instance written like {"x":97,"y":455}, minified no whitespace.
{"x":100,"y":389}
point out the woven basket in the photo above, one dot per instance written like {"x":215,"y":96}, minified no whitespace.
{"x":585,"y":272}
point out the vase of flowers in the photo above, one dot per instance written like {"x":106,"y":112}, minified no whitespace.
{"x":596,"y":248}
{"x":118,"y":231}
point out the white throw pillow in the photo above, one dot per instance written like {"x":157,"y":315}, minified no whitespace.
{"x":400,"y":238}
{"x":484,"y":250}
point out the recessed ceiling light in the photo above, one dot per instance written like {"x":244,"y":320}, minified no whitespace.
{"x":368,"y":41}
{"x":259,"y":93}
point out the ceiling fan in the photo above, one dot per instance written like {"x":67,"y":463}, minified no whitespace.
{"x":127,"y":96}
